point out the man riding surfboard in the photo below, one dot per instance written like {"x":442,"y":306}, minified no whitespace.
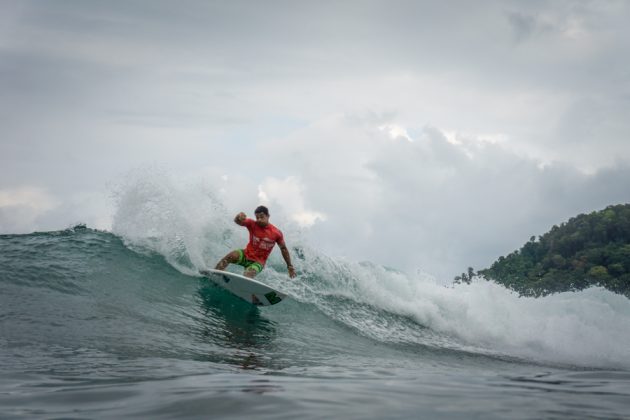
{"x":262,"y":238}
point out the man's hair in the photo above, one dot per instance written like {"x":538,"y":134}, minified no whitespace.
{"x":262,"y":209}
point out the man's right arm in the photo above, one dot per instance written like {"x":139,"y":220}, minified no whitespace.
{"x":240,"y":219}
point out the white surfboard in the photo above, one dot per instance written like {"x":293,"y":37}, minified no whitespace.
{"x":250,"y":290}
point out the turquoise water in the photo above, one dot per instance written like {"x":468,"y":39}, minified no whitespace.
{"x":102,"y":325}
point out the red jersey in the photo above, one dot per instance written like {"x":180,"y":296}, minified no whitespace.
{"x":261,"y":240}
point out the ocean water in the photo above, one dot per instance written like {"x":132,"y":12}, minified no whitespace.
{"x":117,"y":324}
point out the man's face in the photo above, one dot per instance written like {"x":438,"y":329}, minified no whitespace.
{"x":262,"y":219}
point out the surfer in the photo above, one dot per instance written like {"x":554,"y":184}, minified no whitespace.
{"x":262,"y":238}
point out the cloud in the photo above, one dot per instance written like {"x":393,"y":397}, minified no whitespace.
{"x":36,"y":198}
{"x":396,"y":131}
{"x":216,"y":71}
{"x":431,"y":204}
{"x":28,"y":208}
{"x":288,"y":194}
{"x":21,"y":207}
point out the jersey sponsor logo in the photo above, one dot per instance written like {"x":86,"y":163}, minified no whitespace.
{"x":263,"y":243}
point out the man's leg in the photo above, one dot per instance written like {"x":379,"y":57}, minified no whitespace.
{"x":252,"y":270}
{"x":231,"y":258}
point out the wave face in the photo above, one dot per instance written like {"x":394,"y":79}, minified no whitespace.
{"x":100,"y":308}
{"x":91,"y":287}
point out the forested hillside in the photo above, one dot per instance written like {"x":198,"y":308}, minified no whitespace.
{"x":588,"y":250}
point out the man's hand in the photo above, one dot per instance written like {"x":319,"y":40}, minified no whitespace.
{"x":240,"y":218}
{"x":291,"y":271}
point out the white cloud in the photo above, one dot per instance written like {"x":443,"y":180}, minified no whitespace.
{"x":288,"y":195}
{"x":36,"y":198}
{"x":396,"y":131}
{"x":262,"y":195}
{"x":21,"y":207}
{"x":432,"y":203}
{"x":27,"y":209}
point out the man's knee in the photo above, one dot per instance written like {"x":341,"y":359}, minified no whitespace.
{"x":231,"y":258}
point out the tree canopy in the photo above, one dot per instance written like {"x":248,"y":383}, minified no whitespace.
{"x":588,"y":250}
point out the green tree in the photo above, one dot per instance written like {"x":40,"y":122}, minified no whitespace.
{"x":587,"y":250}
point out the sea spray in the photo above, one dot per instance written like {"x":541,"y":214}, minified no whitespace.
{"x":181,"y":220}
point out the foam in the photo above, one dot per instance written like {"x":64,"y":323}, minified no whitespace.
{"x":178,"y":218}
{"x":587,"y":328}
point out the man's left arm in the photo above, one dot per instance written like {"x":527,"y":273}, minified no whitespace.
{"x":287,"y":257}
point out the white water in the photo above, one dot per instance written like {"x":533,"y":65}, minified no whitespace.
{"x":185,"y":222}
{"x":179,"y":219}
{"x":588,"y":328}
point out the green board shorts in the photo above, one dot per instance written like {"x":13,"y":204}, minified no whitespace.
{"x":248,"y":264}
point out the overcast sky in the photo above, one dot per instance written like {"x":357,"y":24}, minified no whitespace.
{"x":415,"y":134}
